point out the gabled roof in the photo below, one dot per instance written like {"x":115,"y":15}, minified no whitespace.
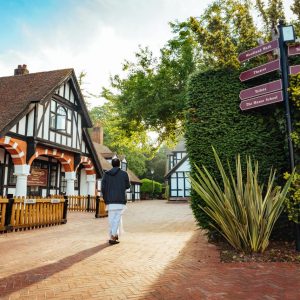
{"x":105,"y":151}
{"x":176,"y":167}
{"x":95,"y":157}
{"x":133,"y":177}
{"x":105,"y":165}
{"x":19,"y":91}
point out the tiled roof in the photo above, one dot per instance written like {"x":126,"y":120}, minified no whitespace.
{"x":133,"y":177}
{"x":17,"y":92}
{"x":105,"y":151}
{"x":107,"y":166}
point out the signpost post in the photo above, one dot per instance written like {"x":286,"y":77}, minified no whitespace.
{"x":284,"y":75}
{"x":275,"y":91}
{"x":286,"y":34}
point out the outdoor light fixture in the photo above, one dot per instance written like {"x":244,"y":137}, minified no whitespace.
{"x":124,"y":164}
{"x":288,"y":33}
{"x":152,"y":172}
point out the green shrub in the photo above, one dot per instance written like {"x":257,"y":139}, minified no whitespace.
{"x":151,"y":189}
{"x":213,"y":118}
{"x":242,"y":209}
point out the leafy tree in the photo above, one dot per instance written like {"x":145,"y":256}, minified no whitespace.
{"x":270,"y":14}
{"x":135,"y":148}
{"x":152,"y":95}
{"x":224,"y":30}
{"x":158,"y":164}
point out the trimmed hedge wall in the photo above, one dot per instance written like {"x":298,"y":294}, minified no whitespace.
{"x":149,"y":190}
{"x":214,"y":118}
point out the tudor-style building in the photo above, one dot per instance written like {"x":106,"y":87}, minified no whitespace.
{"x":177,"y":173}
{"x":45,"y":147}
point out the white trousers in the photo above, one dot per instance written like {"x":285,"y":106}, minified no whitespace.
{"x":115,"y":221}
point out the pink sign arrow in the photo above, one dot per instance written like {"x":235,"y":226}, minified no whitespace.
{"x":263,"y":69}
{"x":261,"y":100}
{"x":261,"y":89}
{"x":293,"y":50}
{"x":258,"y":51}
{"x":295,"y":69}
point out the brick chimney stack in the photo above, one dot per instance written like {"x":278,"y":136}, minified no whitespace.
{"x":21,"y":70}
{"x":97,"y":135}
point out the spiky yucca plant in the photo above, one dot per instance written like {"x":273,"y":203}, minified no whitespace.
{"x":244,"y":212}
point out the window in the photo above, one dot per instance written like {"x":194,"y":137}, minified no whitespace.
{"x":77,"y":181}
{"x":12,"y":179}
{"x":53,"y":176}
{"x":63,"y":183}
{"x":60,"y":118}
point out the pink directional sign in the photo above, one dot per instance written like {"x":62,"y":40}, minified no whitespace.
{"x":261,"y":89}
{"x":258,"y":51}
{"x":295,"y":69}
{"x":293,"y":50}
{"x":263,"y":69}
{"x":261,"y":100}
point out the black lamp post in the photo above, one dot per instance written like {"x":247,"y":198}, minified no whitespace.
{"x":152,"y":172}
{"x":287,"y":34}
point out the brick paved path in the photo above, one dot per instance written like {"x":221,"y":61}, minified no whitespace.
{"x":162,"y":255}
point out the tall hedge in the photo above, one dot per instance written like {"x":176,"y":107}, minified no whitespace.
{"x":214,"y":119}
{"x":151,"y":188}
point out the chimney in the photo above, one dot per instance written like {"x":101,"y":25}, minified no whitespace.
{"x":21,"y":70}
{"x":97,"y":135}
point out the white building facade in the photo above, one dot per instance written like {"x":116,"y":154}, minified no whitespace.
{"x":177,"y":177}
{"x":44,"y":144}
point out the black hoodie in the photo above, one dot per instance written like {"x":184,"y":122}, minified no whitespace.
{"x":114,"y":184}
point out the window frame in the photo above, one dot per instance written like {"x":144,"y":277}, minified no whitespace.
{"x":53,"y":115}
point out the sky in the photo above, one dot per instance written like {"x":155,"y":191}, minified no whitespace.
{"x":92,"y":36}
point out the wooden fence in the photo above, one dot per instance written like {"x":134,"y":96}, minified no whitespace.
{"x":34,"y":212}
{"x":87,"y":203}
{"x":3,"y":205}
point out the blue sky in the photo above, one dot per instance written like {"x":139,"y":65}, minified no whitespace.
{"x":14,"y":14}
{"x":94,"y":36}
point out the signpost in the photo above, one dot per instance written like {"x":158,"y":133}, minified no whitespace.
{"x":261,"y":89}
{"x":268,"y":47}
{"x":262,"y":100}
{"x":275,"y":91}
{"x":294,"y":69}
{"x":38,"y":177}
{"x":293,"y":50}
{"x":258,"y":71}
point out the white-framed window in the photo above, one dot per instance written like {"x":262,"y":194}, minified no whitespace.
{"x":60,"y":118}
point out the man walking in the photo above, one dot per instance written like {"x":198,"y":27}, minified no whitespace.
{"x":114,"y":184}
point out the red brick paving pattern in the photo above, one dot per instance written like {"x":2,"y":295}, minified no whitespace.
{"x":162,"y":255}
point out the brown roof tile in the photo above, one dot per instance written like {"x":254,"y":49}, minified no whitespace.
{"x":107,"y":166}
{"x":17,"y":92}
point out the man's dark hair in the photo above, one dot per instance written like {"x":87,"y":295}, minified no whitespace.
{"x":115,"y":162}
